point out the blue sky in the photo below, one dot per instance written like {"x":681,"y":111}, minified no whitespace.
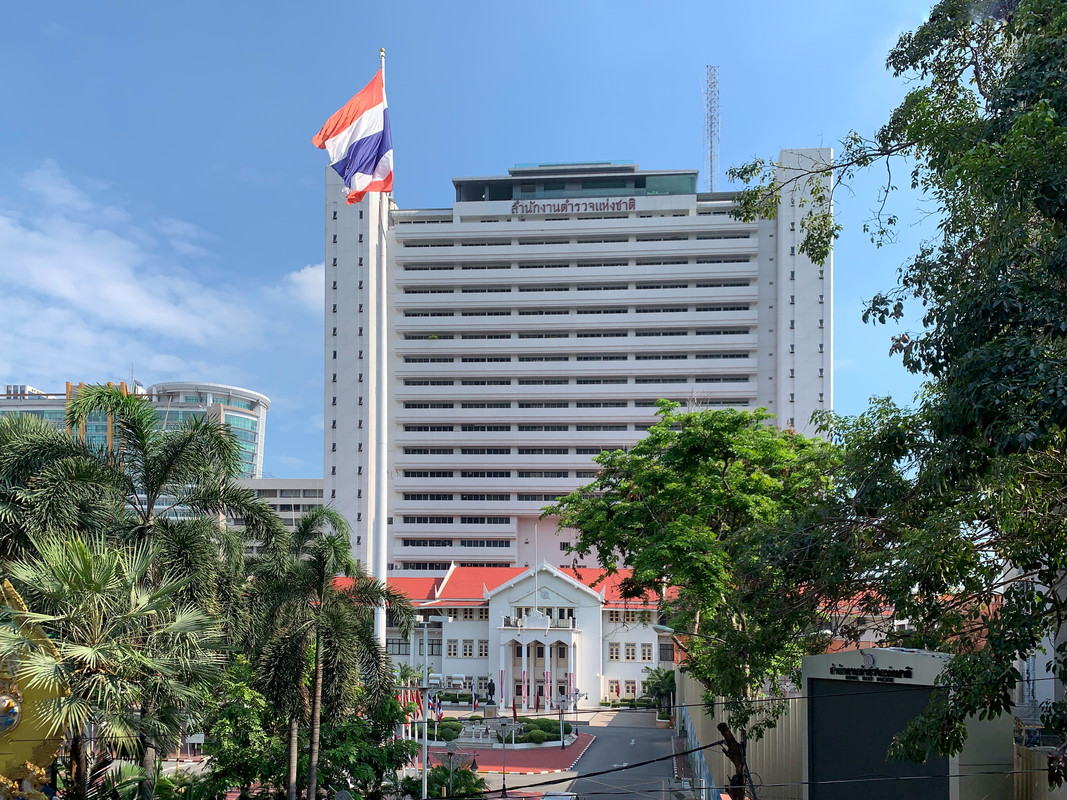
{"x":161,"y":204}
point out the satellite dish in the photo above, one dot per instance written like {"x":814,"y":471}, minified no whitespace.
{"x":342,"y":795}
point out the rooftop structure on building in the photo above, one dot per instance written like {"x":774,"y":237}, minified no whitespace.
{"x":534,"y":323}
{"x":243,"y":410}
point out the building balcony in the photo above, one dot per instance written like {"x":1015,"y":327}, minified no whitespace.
{"x":511,"y":623}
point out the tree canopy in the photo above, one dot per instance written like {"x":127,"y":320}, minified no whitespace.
{"x":956,"y":508}
{"x":706,"y":507}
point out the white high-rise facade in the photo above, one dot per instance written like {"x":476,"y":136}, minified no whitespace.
{"x":535,"y":323}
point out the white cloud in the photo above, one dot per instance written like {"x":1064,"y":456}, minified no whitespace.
{"x":306,"y":286}
{"x":87,"y":292}
{"x":185,"y":237}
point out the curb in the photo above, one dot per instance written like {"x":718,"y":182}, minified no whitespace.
{"x":543,"y":771}
{"x":587,"y":746}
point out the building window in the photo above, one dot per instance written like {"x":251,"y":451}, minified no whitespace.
{"x":631,"y":651}
{"x":666,"y":651}
{"x":613,"y":651}
{"x":629,"y":688}
{"x":614,"y":615}
{"x":483,"y":648}
{"x":483,"y":614}
{"x":468,"y":613}
{"x":613,"y":688}
{"x":468,"y":648}
{"x":629,"y":617}
{"x":561,"y":651}
{"x":452,"y":648}
{"x":518,"y":652}
{"x":398,"y":647}
{"x":646,"y":651}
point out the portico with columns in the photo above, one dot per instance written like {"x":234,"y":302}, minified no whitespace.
{"x":545,"y":637}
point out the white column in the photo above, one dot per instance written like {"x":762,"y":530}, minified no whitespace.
{"x":570,"y":666}
{"x":504,"y":691}
{"x":526,"y":675}
{"x":550,"y":689}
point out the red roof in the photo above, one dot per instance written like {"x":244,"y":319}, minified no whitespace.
{"x":466,"y":586}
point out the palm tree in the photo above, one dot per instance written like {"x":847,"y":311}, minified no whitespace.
{"x":34,"y":454}
{"x":170,"y":487}
{"x":659,"y":685}
{"x":314,"y":597}
{"x":135,"y":657}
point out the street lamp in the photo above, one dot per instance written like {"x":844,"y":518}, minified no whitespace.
{"x":504,"y":758}
{"x":672,"y":632}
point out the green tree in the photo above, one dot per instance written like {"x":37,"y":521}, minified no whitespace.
{"x":959,"y":523}
{"x":136,"y":658}
{"x":244,"y":733}
{"x":465,"y":782}
{"x":314,"y":598}
{"x":659,"y":685}
{"x":705,"y":505}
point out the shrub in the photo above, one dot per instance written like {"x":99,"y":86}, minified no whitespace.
{"x":451,"y":724}
{"x":475,"y":717}
{"x":566,"y":727}
{"x":535,"y":737}
{"x":605,"y":703}
{"x":448,"y":734}
{"x":551,"y":737}
{"x":663,"y":715}
{"x":548,"y":725}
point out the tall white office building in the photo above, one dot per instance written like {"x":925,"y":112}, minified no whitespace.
{"x":534,"y":323}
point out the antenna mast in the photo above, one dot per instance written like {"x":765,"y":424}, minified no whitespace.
{"x":711,"y":127}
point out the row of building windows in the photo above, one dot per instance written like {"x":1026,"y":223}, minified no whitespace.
{"x":629,"y":650}
{"x":451,"y":336}
{"x":567,"y":264}
{"x":511,"y":241}
{"x":522,"y":404}
{"x":288,"y":492}
{"x":527,"y":451}
{"x":431,"y":520}
{"x":493,"y":497}
{"x":735,"y":401}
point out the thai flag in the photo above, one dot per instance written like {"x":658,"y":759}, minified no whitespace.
{"x":359,"y":142}
{"x":525,"y":689}
{"x":437,"y":708}
{"x":474,"y":703}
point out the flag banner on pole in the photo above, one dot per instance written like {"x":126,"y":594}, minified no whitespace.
{"x":359,"y":142}
{"x":537,"y":701}
{"x":474,"y":702}
{"x":503,"y":696}
{"x":548,"y":689}
{"x":514,"y":709}
{"x":525,"y":689}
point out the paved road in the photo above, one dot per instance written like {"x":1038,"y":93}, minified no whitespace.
{"x":622,"y":740}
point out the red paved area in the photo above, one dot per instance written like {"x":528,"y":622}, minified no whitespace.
{"x":534,"y":761}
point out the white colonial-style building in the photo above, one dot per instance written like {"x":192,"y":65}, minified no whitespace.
{"x":543,"y":636}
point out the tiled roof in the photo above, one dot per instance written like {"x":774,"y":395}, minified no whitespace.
{"x":466,"y":586}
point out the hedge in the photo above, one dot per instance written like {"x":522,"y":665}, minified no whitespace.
{"x":535,"y":737}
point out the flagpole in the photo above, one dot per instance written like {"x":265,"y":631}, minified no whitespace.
{"x":381,"y":400}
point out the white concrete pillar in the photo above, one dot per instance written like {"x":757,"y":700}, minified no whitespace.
{"x":525,"y":675}
{"x":550,"y":688}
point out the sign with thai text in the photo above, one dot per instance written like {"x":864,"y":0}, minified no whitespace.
{"x":566,"y":206}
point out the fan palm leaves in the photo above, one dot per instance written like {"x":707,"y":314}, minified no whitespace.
{"x":135,"y":658}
